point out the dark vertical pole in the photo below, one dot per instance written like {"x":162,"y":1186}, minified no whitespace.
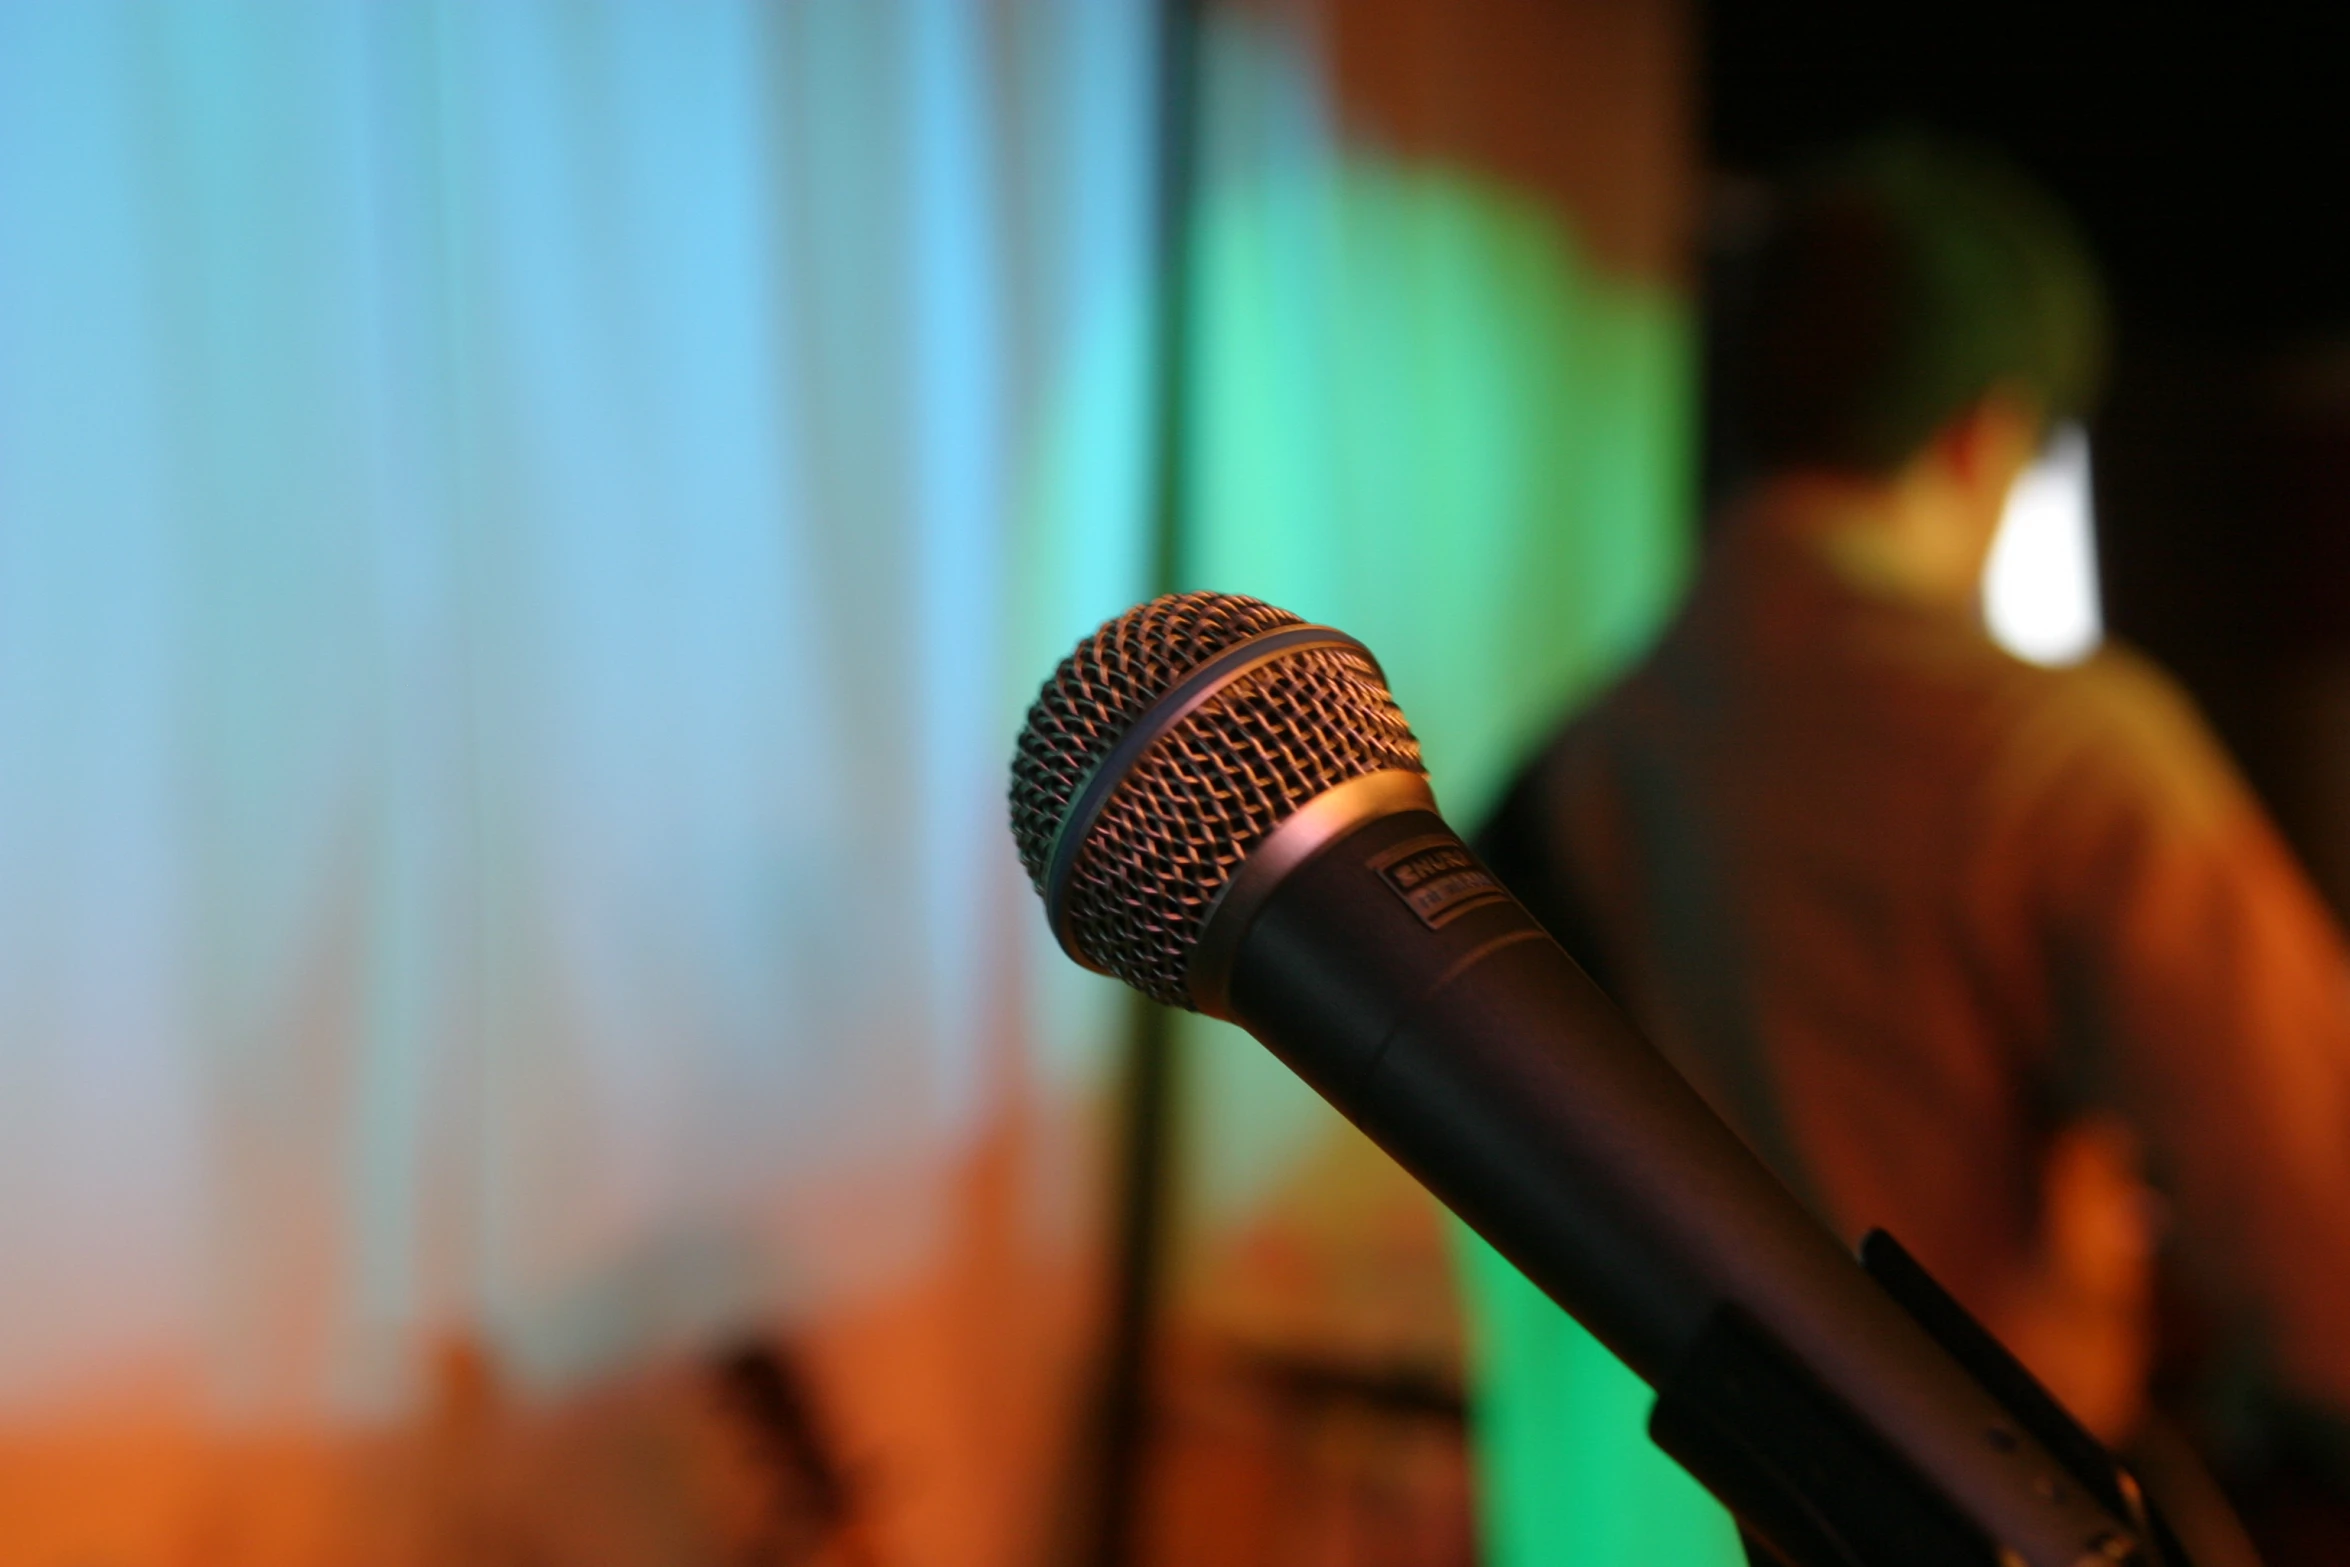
{"x":1135,"y":1303}
{"x":1148,"y":1120}
{"x":1171,"y":345}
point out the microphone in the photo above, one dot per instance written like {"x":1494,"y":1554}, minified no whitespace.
{"x":1223,"y":806}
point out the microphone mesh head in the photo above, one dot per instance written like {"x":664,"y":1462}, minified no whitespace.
{"x":1195,"y":803}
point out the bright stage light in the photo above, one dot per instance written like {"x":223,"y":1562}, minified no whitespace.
{"x":2040,"y":593}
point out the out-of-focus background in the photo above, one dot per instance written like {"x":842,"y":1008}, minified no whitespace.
{"x":526,"y":532}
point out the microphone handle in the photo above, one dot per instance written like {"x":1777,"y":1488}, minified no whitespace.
{"x":1393,"y":973}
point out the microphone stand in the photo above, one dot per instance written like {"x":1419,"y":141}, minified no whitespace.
{"x":1813,"y":1486}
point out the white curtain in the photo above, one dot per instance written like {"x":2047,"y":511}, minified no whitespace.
{"x":525,"y":532}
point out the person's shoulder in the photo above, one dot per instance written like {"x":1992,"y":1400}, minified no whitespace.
{"x":2120,"y":704}
{"x":1583,"y":730}
{"x":2117,"y":727}
{"x":1563,"y":767}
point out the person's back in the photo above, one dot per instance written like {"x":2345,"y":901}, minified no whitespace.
{"x":1948,"y":936}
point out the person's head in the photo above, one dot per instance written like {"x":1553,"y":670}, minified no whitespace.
{"x":1918,"y":315}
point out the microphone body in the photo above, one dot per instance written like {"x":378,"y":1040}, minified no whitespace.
{"x":1480,"y":1057}
{"x":1468,"y":1045}
{"x":1223,"y":806}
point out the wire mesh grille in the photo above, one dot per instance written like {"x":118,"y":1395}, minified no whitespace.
{"x":1103,"y":687}
{"x":1194,"y":805}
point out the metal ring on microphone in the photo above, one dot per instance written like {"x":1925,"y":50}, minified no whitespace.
{"x":1328,"y":816}
{"x":1177,"y":703}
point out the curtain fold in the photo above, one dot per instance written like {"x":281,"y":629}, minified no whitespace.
{"x":520,"y":542}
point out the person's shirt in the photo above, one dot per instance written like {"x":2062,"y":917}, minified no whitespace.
{"x":1902,"y":906}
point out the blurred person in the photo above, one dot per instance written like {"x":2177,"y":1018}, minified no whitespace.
{"x":1984,"y":953}
{"x":804,"y":1512}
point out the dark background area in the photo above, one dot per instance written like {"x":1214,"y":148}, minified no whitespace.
{"x":2206,"y":148}
{"x":2206,"y":151}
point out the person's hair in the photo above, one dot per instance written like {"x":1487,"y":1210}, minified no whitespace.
{"x":1893,"y":289}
